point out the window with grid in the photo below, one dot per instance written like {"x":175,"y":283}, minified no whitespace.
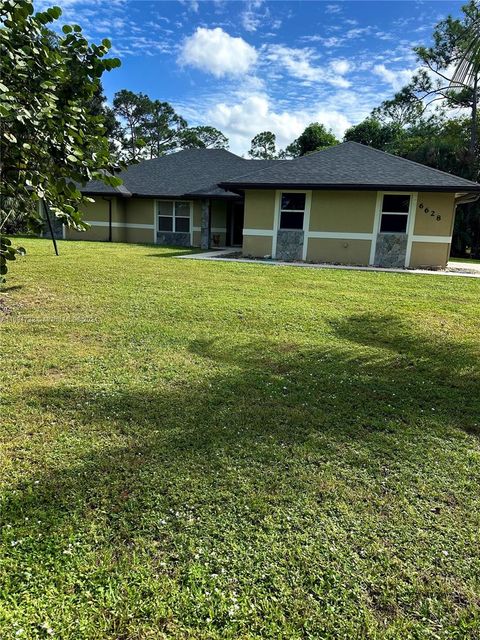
{"x":292,"y":211}
{"x":395,"y":210}
{"x":173,"y":215}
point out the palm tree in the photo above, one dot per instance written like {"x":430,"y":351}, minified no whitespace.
{"x":467,"y":73}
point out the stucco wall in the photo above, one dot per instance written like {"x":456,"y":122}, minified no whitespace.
{"x":140,"y":210}
{"x":342,"y":251}
{"x":259,"y":209}
{"x":429,"y":254}
{"x":440,"y":204}
{"x":257,"y":246}
{"x":343,"y":211}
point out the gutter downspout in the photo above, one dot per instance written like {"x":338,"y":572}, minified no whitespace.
{"x":466,"y":198}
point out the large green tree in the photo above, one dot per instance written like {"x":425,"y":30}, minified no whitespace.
{"x":373,"y":133}
{"x":131,"y":109}
{"x":315,"y":137}
{"x":203,"y":137}
{"x":263,"y":146}
{"x":163,"y":129}
{"x":50,"y":139}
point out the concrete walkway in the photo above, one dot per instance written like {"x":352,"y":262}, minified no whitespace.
{"x":462,"y":269}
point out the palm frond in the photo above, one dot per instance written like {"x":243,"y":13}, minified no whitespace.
{"x":468,"y":66}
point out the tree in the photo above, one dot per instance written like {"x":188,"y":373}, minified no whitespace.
{"x":404,"y":108}
{"x":50,"y":140}
{"x":373,"y":133}
{"x":314,"y":138}
{"x":263,"y":146}
{"x":163,"y":129}
{"x":97,"y":107}
{"x":147,"y":128}
{"x":132,"y":110}
{"x":437,"y":81}
{"x":203,"y":137}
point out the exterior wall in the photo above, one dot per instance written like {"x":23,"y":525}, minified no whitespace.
{"x":343,"y":227}
{"x":438,"y":204}
{"x":140,"y":210}
{"x":355,"y":252}
{"x":257,"y":246}
{"x":96,"y":214}
{"x":259,"y":209}
{"x":432,"y":236}
{"x":343,"y":211}
{"x":429,"y":254}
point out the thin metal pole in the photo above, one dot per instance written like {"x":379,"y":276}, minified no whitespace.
{"x":47,"y":215}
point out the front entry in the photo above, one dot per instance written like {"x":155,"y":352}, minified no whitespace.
{"x":235,"y":226}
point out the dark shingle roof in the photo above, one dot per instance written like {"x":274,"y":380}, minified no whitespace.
{"x":351,"y":166}
{"x":192,"y":172}
{"x":97,"y":186}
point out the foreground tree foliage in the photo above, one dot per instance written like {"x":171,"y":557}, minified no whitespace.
{"x":51,"y":138}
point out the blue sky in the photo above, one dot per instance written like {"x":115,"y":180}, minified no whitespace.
{"x":246,"y":67}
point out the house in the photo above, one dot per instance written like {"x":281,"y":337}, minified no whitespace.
{"x":348,"y":204}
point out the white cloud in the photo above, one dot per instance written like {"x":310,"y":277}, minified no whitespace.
{"x":340,"y":66}
{"x":298,"y":63}
{"x":251,"y":18}
{"x":217,"y":52}
{"x":333,"y":8}
{"x":396,"y":79}
{"x":242,"y":120}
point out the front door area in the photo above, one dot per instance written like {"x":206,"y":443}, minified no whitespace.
{"x":235,"y":225}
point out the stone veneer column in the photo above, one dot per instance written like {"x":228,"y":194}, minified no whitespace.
{"x":205,"y":224}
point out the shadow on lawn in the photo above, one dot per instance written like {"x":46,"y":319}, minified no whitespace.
{"x":173,"y":252}
{"x":305,"y":403}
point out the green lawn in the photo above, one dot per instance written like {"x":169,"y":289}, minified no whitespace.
{"x":211,"y":450}
{"x":465,"y":260}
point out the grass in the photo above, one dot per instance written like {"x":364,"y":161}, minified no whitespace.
{"x":215,"y":450}
{"x":465,"y":260}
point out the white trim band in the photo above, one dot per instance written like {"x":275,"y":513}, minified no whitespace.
{"x":340,"y":235}
{"x":258,"y":232}
{"x":439,"y":239}
{"x":119,"y":225}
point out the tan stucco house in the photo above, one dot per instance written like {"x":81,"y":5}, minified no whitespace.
{"x":348,"y":204}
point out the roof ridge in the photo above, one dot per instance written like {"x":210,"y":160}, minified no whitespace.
{"x":249,"y":173}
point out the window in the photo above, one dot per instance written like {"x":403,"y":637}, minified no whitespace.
{"x":173,"y":215}
{"x":395,"y":210}
{"x":292,"y":211}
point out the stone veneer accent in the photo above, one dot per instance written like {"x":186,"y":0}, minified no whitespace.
{"x":391,"y":250}
{"x":173,"y":239}
{"x":290,"y":244}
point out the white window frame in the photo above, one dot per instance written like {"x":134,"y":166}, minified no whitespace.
{"x":306,"y":219}
{"x":174,"y":202}
{"x":410,"y":221}
{"x":292,"y":211}
{"x":395,"y":213}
